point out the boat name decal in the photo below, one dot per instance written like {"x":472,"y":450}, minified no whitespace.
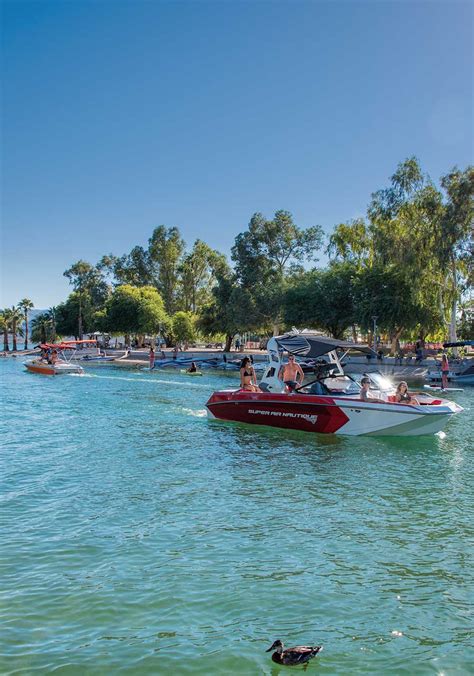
{"x":283,"y":414}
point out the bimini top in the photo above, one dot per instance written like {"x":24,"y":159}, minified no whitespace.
{"x":460,"y":343}
{"x":314,"y":345}
{"x":64,"y":345}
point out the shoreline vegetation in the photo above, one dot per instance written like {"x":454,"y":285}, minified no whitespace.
{"x":403,"y":272}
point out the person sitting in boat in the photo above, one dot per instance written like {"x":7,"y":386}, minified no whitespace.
{"x":291,"y":374}
{"x":402,"y":396}
{"x":248,"y":378}
{"x":54,"y":356}
{"x":192,"y":368}
{"x":365,"y":395}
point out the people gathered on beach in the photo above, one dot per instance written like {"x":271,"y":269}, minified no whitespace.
{"x":248,"y":377}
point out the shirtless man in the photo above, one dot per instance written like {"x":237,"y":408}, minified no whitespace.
{"x":291,"y":374}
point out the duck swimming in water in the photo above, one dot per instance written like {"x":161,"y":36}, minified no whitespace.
{"x":300,"y":654}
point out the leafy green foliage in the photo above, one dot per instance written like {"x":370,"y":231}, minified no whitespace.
{"x":135,"y":310}
{"x":42,"y":330}
{"x":165,"y":249}
{"x":323,"y":299}
{"x":183,"y":327}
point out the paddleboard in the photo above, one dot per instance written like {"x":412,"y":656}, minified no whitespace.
{"x":438,"y":388}
{"x":187,"y":373}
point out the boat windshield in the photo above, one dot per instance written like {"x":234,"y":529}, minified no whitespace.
{"x":377,"y":380}
{"x":341,"y":385}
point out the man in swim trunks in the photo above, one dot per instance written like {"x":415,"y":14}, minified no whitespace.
{"x":292,"y":374}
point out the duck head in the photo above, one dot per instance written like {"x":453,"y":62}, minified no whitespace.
{"x":277,"y":646}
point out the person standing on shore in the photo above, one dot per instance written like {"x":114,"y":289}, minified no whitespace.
{"x":152,"y":358}
{"x":444,"y":371}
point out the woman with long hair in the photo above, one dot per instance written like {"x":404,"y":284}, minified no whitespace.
{"x":248,"y":378}
{"x":402,"y":396}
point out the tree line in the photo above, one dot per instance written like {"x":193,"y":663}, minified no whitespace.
{"x":408,"y":263}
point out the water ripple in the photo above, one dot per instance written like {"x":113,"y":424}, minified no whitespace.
{"x":139,"y":537}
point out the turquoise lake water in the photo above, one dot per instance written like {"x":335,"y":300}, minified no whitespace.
{"x":139,"y":537}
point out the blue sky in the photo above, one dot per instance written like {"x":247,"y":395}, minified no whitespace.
{"x":121,"y":116}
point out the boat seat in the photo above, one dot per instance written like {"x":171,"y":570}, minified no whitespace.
{"x":317,"y":388}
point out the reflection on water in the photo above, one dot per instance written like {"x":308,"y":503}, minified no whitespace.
{"x":142,"y":537}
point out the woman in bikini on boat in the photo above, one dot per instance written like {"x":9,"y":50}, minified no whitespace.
{"x":248,"y":379}
{"x":402,"y":396}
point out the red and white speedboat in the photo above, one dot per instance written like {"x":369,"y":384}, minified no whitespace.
{"x":55,"y":360}
{"x":331,"y":403}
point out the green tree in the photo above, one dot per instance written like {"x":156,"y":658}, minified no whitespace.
{"x":218,"y":316}
{"x":25,"y":305}
{"x":196,"y":275}
{"x":351,"y":242}
{"x":52,"y":316}
{"x":466,"y":321}
{"x":135,"y":268}
{"x":16,"y":317}
{"x":165,"y":250}
{"x":323,"y":299}
{"x":455,"y":246}
{"x":89,"y":281}
{"x":184,"y":329}
{"x":405,"y":221}
{"x":64,"y":318}
{"x":264,"y":256}
{"x":5,"y":324}
{"x":390,"y":294}
{"x":79,"y":275}
{"x":135,"y":310}
{"x":41,"y":329}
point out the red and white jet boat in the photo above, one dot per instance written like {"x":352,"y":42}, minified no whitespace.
{"x":331,"y":403}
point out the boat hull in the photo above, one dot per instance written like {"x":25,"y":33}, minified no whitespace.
{"x":330,"y":415}
{"x":457,"y":378}
{"x":44,"y":369}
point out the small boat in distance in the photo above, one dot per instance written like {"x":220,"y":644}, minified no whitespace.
{"x":461,"y":372}
{"x":330,"y":403}
{"x":56,"y":359}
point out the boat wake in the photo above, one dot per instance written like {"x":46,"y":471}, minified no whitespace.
{"x":200,"y":413}
{"x":178,"y":383}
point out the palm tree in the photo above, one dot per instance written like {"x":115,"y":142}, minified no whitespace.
{"x":15,"y":319}
{"x":41,"y":328}
{"x":52,"y":318}
{"x":26,"y":304}
{"x":6,"y":319}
